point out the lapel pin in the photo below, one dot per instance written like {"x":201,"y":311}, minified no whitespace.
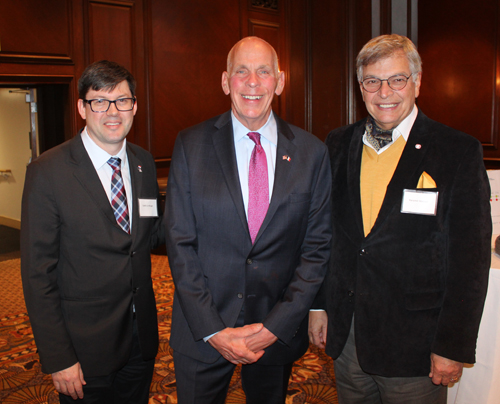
{"x":286,"y":158}
{"x":139,"y":168}
{"x":418,"y":146}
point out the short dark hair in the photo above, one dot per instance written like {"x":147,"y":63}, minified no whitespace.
{"x":104,"y":75}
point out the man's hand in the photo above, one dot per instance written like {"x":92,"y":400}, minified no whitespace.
{"x":70,"y":381}
{"x":318,"y":323}
{"x":231,"y":344}
{"x":444,"y":371}
{"x":261,"y":340}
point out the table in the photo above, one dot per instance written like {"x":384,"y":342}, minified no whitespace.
{"x":480,"y":384}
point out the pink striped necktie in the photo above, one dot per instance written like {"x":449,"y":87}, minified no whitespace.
{"x":258,"y":187}
{"x":118,"y":196}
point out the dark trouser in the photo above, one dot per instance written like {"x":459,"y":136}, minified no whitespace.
{"x":354,"y":386}
{"x":129,"y":385}
{"x":208,"y":383}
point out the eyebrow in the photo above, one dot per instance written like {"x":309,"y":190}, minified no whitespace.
{"x":372,"y":76}
{"x":265,"y":66}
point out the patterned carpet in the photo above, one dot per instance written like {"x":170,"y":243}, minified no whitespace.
{"x":22,"y":382}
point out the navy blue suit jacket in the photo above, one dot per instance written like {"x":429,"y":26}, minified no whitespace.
{"x":216,"y":269}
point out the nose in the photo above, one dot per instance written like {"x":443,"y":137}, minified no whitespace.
{"x":253,"y":80}
{"x":385,"y":91}
{"x":112,"y":110}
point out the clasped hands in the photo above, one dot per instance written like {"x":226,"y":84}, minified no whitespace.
{"x":243,"y":345}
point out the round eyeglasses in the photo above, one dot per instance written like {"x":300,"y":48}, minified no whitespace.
{"x":397,"y":83}
{"x":102,"y":105}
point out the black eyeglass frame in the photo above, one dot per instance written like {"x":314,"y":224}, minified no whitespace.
{"x":381,"y":80}
{"x":111,"y":102}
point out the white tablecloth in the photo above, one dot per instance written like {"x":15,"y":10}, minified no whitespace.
{"x":480,"y":384}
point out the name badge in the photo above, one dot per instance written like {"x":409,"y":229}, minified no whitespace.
{"x":419,"y":202}
{"x":148,"y":208}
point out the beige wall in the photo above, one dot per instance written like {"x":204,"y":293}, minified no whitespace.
{"x":14,"y":153}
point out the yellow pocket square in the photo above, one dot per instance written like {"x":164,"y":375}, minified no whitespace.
{"x":426,"y":181}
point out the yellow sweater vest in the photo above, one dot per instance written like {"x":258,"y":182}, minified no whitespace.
{"x":376,"y":173}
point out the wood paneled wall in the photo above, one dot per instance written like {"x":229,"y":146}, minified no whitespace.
{"x":459,"y":45}
{"x":177,"y":52}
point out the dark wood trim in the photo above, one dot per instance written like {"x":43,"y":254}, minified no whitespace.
{"x":385,"y":17}
{"x":148,"y":74}
{"x":267,"y":10}
{"x":495,"y":124}
{"x":42,"y":58}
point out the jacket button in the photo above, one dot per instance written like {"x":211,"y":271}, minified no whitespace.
{"x":362,"y":252}
{"x":240,"y":295}
{"x":134,"y":290}
{"x":132,"y":253}
{"x":249,"y":261}
{"x":351,"y":293}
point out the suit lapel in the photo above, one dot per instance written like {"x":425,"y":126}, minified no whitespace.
{"x":87,"y":176}
{"x":136,"y":184}
{"x":223,"y":141}
{"x":354,"y":174}
{"x":409,"y":163}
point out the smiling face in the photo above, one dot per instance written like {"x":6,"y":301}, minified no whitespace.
{"x":388,"y":107}
{"x":252,"y":82}
{"x":108,"y":129}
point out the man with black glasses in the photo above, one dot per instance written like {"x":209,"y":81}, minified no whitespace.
{"x":411,"y":242}
{"x":89,"y":221}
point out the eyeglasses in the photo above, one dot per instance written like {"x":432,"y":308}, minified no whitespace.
{"x":397,"y":83}
{"x":121,"y":104}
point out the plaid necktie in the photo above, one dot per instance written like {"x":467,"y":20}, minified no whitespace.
{"x":258,"y":187}
{"x":118,"y":197}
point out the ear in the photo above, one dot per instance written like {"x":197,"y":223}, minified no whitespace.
{"x":281,"y":83}
{"x":418,"y":81}
{"x":225,"y":83}
{"x":135,"y":107}
{"x":81,"y":109}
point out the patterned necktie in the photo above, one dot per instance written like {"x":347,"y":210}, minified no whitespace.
{"x":118,"y":197}
{"x":377,"y":137}
{"x":258,"y":187}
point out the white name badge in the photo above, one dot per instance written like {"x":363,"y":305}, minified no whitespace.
{"x":148,"y":208}
{"x":419,"y":202}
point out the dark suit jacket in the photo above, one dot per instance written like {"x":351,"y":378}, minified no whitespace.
{"x":216,"y":269}
{"x":416,"y":284}
{"x":81,"y":272}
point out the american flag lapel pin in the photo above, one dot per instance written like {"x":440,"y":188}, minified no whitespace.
{"x":285,"y":157}
{"x":139,"y":168}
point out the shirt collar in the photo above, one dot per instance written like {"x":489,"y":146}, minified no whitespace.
{"x":403,"y":129}
{"x":99,"y":156}
{"x":269,"y":131}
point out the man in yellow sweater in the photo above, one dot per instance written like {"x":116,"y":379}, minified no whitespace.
{"x":403,"y":298}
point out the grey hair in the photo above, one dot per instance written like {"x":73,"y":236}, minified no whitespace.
{"x":385,"y":46}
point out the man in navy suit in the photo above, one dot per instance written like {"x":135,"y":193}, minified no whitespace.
{"x":411,"y":242}
{"x":86,"y":268}
{"x":242,"y":293}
